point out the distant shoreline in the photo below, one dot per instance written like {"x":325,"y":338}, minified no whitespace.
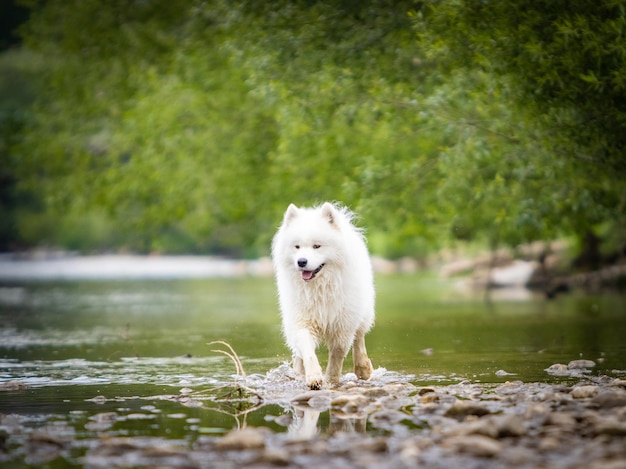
{"x":128,"y":267}
{"x":63,"y":265}
{"x":473,"y":274}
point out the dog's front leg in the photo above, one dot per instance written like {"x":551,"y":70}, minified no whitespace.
{"x":306,"y":344}
{"x":335,"y":363}
{"x":362,"y":364}
{"x":298,"y":364}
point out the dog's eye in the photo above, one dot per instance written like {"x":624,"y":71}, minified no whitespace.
{"x":316,"y":246}
{"x":297,"y":246}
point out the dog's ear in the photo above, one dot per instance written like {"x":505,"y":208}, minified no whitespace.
{"x":329,"y":213}
{"x":291,"y":213}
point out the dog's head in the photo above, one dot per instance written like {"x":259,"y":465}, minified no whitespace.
{"x":311,"y":239}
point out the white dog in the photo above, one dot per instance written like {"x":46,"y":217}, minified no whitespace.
{"x":326,"y":290}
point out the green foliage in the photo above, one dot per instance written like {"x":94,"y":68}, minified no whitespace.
{"x":19,"y":83}
{"x":192,"y":125}
{"x":565,"y":62}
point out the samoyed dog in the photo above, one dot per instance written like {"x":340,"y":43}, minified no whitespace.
{"x":326,"y":290}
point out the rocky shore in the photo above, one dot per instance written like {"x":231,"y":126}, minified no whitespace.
{"x":579,"y":422}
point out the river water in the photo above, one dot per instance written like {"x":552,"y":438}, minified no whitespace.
{"x":72,"y":352}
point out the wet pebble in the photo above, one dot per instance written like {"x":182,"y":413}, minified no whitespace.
{"x":98,"y":400}
{"x":610,"y":398}
{"x":314,"y":399}
{"x":349,"y":404}
{"x":387,"y":419}
{"x":244,"y":439}
{"x":44,"y":446}
{"x":579,"y":422}
{"x":557,"y":369}
{"x":102,"y":421}
{"x":462,"y":409}
{"x":584,"y":391}
{"x":480,"y":446}
{"x":564,"y":420}
{"x":274,"y":457}
{"x":496,"y":426}
{"x":618,"y":382}
{"x":510,"y":388}
{"x":429,"y":398}
{"x":609,"y":425}
{"x":578,"y":364}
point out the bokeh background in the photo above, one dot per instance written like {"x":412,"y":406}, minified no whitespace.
{"x":188,"y":126}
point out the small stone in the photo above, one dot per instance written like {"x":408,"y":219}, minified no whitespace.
{"x":140,"y":416}
{"x":98,"y":400}
{"x":429,"y":398}
{"x":618,"y":382}
{"x":247,"y":438}
{"x":580,"y":364}
{"x":42,"y":447}
{"x":513,"y":456}
{"x":610,"y":425}
{"x":562,"y":419}
{"x":549,"y":443}
{"x":275,"y":457}
{"x":398,"y":388}
{"x":102,"y":421}
{"x":312,"y":398}
{"x":370,"y":445}
{"x":509,"y":425}
{"x":610,"y":398}
{"x":558,"y":369}
{"x":375,"y":393}
{"x":480,"y":446}
{"x":386,"y":419}
{"x":409,"y":452}
{"x":462,"y":409}
{"x":349,"y":404}
{"x":510,"y":387}
{"x":584,"y":392}
{"x":537,"y":410}
{"x":495,"y":426}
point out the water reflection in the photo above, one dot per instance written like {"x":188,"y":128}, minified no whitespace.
{"x":85,"y":339}
{"x":306,"y":423}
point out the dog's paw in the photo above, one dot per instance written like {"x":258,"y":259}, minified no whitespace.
{"x":364,"y":369}
{"x":314,"y":382}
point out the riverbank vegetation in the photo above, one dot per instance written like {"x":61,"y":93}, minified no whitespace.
{"x":175,"y":126}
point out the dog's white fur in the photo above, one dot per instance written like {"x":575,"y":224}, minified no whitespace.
{"x":334,"y":305}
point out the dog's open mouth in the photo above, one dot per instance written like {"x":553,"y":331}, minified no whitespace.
{"x":310,"y":274}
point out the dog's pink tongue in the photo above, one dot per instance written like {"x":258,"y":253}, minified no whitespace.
{"x":307,"y":274}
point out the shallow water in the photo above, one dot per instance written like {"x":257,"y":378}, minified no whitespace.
{"x":133,"y":358}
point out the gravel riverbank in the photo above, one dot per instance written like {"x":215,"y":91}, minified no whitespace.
{"x":577,"y":423}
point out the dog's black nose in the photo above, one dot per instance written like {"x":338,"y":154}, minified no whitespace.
{"x":302,"y":262}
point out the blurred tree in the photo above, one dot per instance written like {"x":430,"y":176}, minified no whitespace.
{"x":12,"y":15}
{"x":194,"y":124}
{"x":561,"y":65}
{"x":206,"y":119}
{"x":19,"y":84}
{"x":566,"y":59}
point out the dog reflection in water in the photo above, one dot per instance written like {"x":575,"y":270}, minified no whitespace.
{"x":306,"y":423}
